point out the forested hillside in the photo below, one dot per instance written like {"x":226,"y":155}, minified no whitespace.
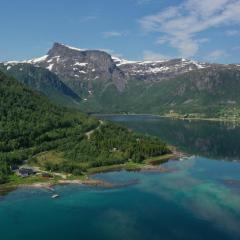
{"x":42,"y":80}
{"x":30,"y":125}
{"x":206,"y":92}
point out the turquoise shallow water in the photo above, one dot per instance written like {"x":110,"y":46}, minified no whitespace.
{"x":197,"y":199}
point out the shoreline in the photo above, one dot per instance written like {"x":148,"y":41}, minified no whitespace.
{"x":172,"y":117}
{"x":152,"y":165}
{"x":202,"y":119}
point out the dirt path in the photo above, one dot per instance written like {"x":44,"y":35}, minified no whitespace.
{"x":88,"y":134}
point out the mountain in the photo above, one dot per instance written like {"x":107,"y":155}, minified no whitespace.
{"x":43,"y":80}
{"x":109,"y":84}
{"x":79,"y":68}
{"x":155,"y":71}
{"x":209,"y":92}
{"x":35,"y":131}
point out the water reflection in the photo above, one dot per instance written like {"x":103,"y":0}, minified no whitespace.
{"x":218,"y":140}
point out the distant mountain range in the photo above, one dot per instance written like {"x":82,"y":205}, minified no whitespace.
{"x":95,"y":81}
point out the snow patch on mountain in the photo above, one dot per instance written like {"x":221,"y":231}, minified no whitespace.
{"x":50,"y":67}
{"x":37,"y":60}
{"x":120,"y":61}
{"x":11,"y":63}
{"x":83,"y":64}
{"x":73,"y":48}
{"x":31,"y":61}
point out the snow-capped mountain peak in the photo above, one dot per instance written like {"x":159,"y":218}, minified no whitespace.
{"x":85,"y":65}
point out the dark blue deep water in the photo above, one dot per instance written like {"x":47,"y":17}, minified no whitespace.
{"x":198,"y":198}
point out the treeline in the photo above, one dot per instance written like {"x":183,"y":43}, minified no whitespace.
{"x":112,"y":144}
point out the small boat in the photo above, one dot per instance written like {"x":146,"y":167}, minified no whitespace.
{"x":55,"y":196}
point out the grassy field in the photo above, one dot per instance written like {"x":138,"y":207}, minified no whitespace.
{"x":159,"y":159}
{"x":15,"y":181}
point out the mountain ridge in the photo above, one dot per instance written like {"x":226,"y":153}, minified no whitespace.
{"x":105,"y":83}
{"x":118,"y":60}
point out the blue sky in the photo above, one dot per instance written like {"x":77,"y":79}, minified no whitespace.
{"x":206,"y":30}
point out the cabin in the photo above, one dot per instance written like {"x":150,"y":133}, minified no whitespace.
{"x":26,"y":172}
{"x":14,"y":168}
{"x":46,"y":175}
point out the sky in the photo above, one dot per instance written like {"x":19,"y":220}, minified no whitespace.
{"x":203,"y":30}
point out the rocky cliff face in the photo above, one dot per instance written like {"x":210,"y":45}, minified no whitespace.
{"x":80,"y":65}
{"x":155,"y":71}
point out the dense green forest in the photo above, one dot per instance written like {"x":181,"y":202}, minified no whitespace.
{"x":31,"y":126}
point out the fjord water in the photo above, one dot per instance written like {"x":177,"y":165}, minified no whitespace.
{"x":198,"y":198}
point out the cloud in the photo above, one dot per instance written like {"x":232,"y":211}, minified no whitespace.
{"x":141,"y":2}
{"x":216,"y":54}
{"x":111,"y":52}
{"x":153,"y":56}
{"x":232,"y":33}
{"x":161,"y":40}
{"x":111,"y":34}
{"x":88,"y":18}
{"x":236,"y":48}
{"x":180,"y":25}
{"x":203,"y":40}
